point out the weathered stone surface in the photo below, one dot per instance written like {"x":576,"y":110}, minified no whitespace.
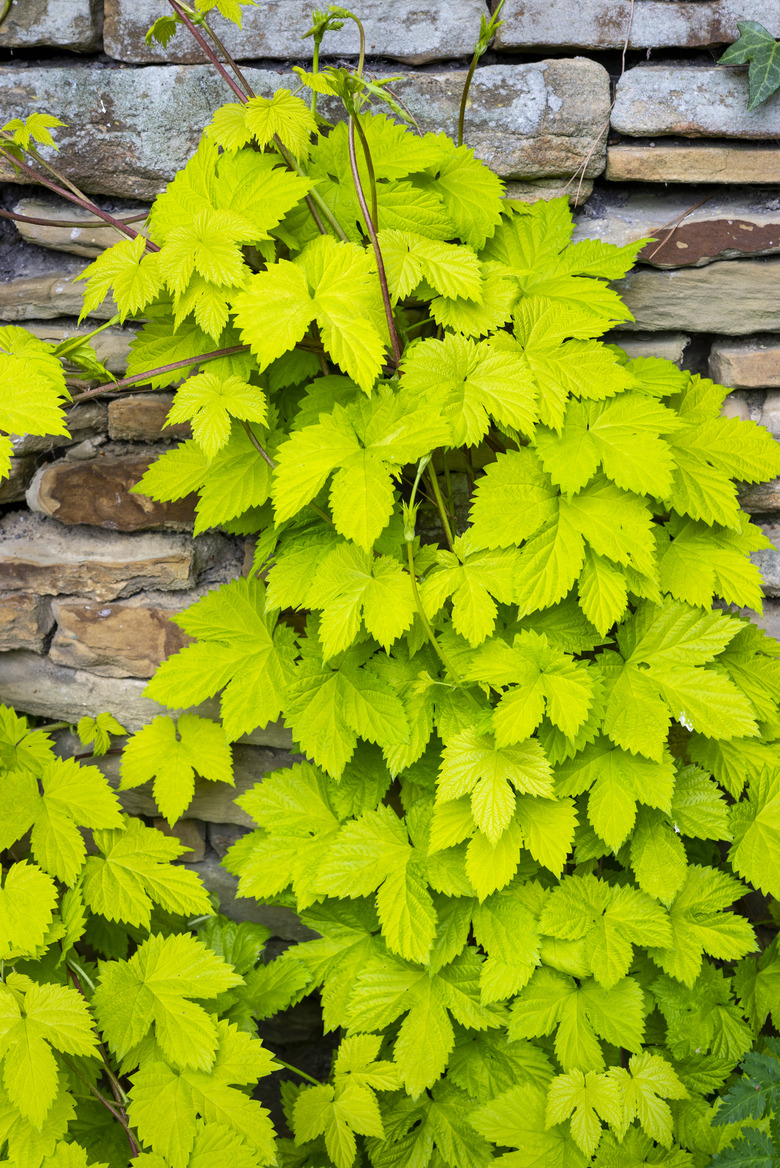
{"x":41,"y":556}
{"x":283,"y":922}
{"x":222,"y":836}
{"x":66,"y":24}
{"x":35,"y":685}
{"x":24,"y":298}
{"x":694,"y":162}
{"x":18,"y":479}
{"x":140,"y":417}
{"x":126,"y":639}
{"x":768,"y":560}
{"x":769,"y":620}
{"x":112,"y":347}
{"x":25,"y":622}
{"x":189,"y":832}
{"x":86,"y":420}
{"x":404,"y":31}
{"x":604,"y":24}
{"x":770,"y":414}
{"x":726,"y":228}
{"x":529,"y":192}
{"x":670,"y":346}
{"x":734,"y":297}
{"x":90,"y":240}
{"x":695,"y":102}
{"x":762,"y":498}
{"x":526,"y":121}
{"x":747,"y":364}
{"x":736,"y":405}
{"x":97,"y":491}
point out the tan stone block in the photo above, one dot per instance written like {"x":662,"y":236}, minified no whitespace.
{"x":66,"y":24}
{"x":736,"y":406}
{"x":694,"y":163}
{"x":128,"y":639}
{"x":770,"y":413}
{"x":24,"y":298}
{"x":112,"y":347}
{"x":751,"y":364}
{"x":89,"y":240}
{"x":577,"y":192}
{"x":762,"y":498}
{"x":97,"y":491}
{"x":41,"y":556}
{"x":25,"y":622}
{"x":140,"y":417}
{"x":189,"y":832}
{"x":18,"y":479}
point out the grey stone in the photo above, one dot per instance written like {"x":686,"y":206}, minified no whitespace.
{"x":728,"y":228}
{"x":404,"y":31}
{"x":32,"y":298}
{"x":41,"y":556}
{"x":282,"y":922}
{"x":701,"y":102}
{"x":526,"y":121}
{"x":769,"y":620}
{"x":86,"y":420}
{"x":748,"y":364}
{"x":18,"y":479}
{"x":733,"y":297}
{"x":669,"y":346}
{"x":112,"y":346}
{"x":35,"y":685}
{"x":768,"y":561}
{"x":736,"y":405}
{"x":64,"y":24}
{"x":605,"y":24}
{"x":88,"y":240}
{"x":694,"y":162}
{"x":222,"y":836}
{"x":576,"y":191}
{"x":189,"y":832}
{"x":770,"y":414}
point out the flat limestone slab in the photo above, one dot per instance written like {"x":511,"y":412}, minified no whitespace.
{"x":694,"y":162}
{"x":88,"y":240}
{"x":753,"y":364}
{"x":733,"y":297}
{"x":120,"y":639}
{"x":65,"y":24}
{"x":695,"y":102}
{"x":723,"y":228}
{"x":35,"y":685}
{"x":130,"y":130}
{"x":668,"y":346}
{"x":403,"y":31}
{"x":605,"y":24}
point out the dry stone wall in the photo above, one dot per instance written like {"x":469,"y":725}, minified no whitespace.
{"x":620,"y":105}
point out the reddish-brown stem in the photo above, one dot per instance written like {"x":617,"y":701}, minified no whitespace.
{"x":374,"y":243}
{"x":207,"y":49}
{"x":261,"y":450}
{"x":92,"y":207}
{"x":230,"y":60}
{"x":112,"y":386}
{"x":65,"y":222}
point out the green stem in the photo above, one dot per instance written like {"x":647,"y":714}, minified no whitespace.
{"x":51,"y":726}
{"x":440,"y":506}
{"x":296,"y":1071}
{"x":315,"y":68}
{"x":6,"y":10}
{"x":313,"y":195}
{"x":465,"y":96}
{"x":448,"y":484}
{"x":374,"y":243}
{"x":423,"y":617}
{"x":68,"y":346}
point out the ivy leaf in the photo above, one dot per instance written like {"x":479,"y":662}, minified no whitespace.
{"x":134,"y":871}
{"x":759,"y":47}
{"x":155,"y":987}
{"x":236,"y":652}
{"x":171,"y":754}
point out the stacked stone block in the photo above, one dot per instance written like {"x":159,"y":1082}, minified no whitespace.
{"x":663,"y":148}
